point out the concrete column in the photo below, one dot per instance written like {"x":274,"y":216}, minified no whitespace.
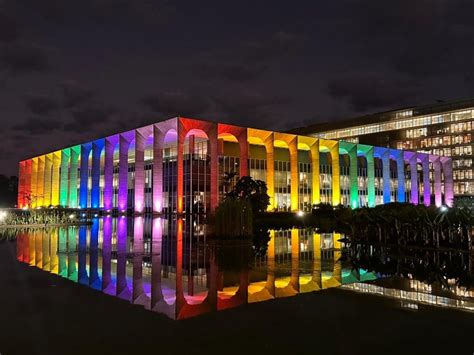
{"x":386,"y":176}
{"x":97,"y":147}
{"x":351,"y":150}
{"x":294,"y":173}
{"x":336,"y":187}
{"x":354,"y":186}
{"x":21,"y":184}
{"x":180,"y":169}
{"x":269,"y":146}
{"x":426,"y":179}
{"x":27,"y":190}
{"x":109,"y":144}
{"x":64,"y":184}
{"x":353,"y":182}
{"x":244,"y":152}
{"x":47,"y":179}
{"x":369,"y":155}
{"x":40,"y":181}
{"x":213,"y":145}
{"x":412,"y":159}
{"x":315,"y":185}
{"x":124,"y":144}
{"x":437,"y":180}
{"x":158,"y":142}
{"x":400,"y":175}
{"x":73,"y":169}
{"x":447,"y":164}
{"x":34,"y":185}
{"x":140,"y":141}
{"x":55,"y":178}
{"x":84,"y":179}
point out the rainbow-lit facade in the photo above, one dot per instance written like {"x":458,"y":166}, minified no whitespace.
{"x":187,"y":165}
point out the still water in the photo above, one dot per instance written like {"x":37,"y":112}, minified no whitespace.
{"x":172,"y":266}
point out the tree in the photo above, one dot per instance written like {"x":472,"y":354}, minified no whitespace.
{"x":255,"y":191}
{"x":234,"y":218}
{"x":8,"y":191}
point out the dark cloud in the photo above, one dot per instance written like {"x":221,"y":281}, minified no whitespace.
{"x":426,"y":37}
{"x":370,"y":91}
{"x":19,"y":58}
{"x":278,"y":45}
{"x":87,"y":118}
{"x":246,"y":107}
{"x":71,"y":13}
{"x":74,"y":94}
{"x":8,"y":28}
{"x":169,"y":104}
{"x":38,"y":125}
{"x":251,"y":59}
{"x":41,"y":105}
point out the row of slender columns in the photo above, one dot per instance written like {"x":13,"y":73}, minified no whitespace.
{"x":52,"y":178}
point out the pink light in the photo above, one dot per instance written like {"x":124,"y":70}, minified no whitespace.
{"x":158,"y":205}
{"x":139,"y":206}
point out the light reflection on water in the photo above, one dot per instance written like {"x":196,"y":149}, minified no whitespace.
{"x":172,"y":267}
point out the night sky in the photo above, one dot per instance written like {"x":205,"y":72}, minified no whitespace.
{"x":72,"y":71}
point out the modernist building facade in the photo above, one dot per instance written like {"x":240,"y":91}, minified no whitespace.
{"x":184,"y":165}
{"x":444,"y":129}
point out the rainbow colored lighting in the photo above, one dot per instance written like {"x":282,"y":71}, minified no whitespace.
{"x":110,"y":174}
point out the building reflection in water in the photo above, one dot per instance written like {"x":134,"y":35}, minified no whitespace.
{"x":170,"y":266}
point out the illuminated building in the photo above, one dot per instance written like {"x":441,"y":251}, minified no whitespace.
{"x":187,"y":165}
{"x":444,"y":129}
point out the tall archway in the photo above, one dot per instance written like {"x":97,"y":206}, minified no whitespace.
{"x":366,"y":152}
{"x":139,"y":181}
{"x":329,"y":180}
{"x":258,"y":139}
{"x":185,"y":126}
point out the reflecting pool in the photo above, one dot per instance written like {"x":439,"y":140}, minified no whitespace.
{"x":172,"y":266}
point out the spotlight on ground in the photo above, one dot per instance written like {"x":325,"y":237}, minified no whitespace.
{"x":300,"y":213}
